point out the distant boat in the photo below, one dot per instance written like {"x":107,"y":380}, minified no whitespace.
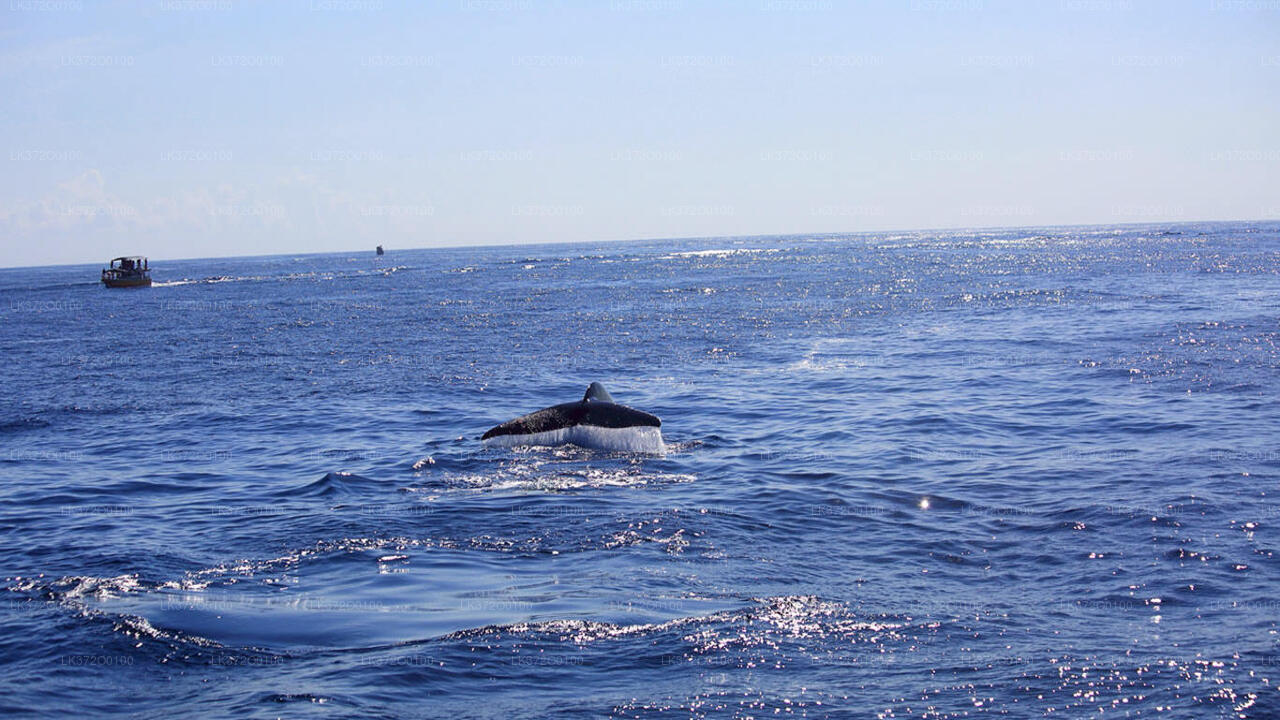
{"x":128,"y":271}
{"x":380,"y":250}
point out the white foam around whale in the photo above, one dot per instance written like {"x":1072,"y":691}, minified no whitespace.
{"x":646,"y":439}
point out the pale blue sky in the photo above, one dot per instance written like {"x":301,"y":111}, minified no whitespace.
{"x":195,"y":128}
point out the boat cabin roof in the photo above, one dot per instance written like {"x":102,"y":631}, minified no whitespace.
{"x":128,"y":257}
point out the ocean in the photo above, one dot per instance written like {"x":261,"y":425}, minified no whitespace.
{"x":1010,"y":473}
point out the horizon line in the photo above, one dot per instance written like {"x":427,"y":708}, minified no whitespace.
{"x":681,"y":238}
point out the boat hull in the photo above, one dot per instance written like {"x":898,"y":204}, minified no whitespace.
{"x":127,"y":282}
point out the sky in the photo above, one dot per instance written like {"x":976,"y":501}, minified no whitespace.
{"x":205,"y":128}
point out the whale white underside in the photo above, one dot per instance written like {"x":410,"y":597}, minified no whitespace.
{"x":639,"y":439}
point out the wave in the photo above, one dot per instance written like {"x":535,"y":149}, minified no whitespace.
{"x":332,"y":484}
{"x":786,"y":616}
{"x":718,"y":253}
{"x":546,"y":470}
{"x":18,"y":424}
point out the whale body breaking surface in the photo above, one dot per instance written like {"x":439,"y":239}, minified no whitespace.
{"x":595,"y":421}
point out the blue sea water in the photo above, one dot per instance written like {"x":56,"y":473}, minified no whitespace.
{"x":1012,"y":473}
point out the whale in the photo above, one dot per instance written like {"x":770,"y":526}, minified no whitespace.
{"x":595,"y":422}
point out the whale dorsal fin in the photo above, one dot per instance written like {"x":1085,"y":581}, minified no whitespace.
{"x":596,"y":391}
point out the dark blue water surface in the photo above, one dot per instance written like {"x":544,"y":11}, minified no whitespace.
{"x":1018,"y":473}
